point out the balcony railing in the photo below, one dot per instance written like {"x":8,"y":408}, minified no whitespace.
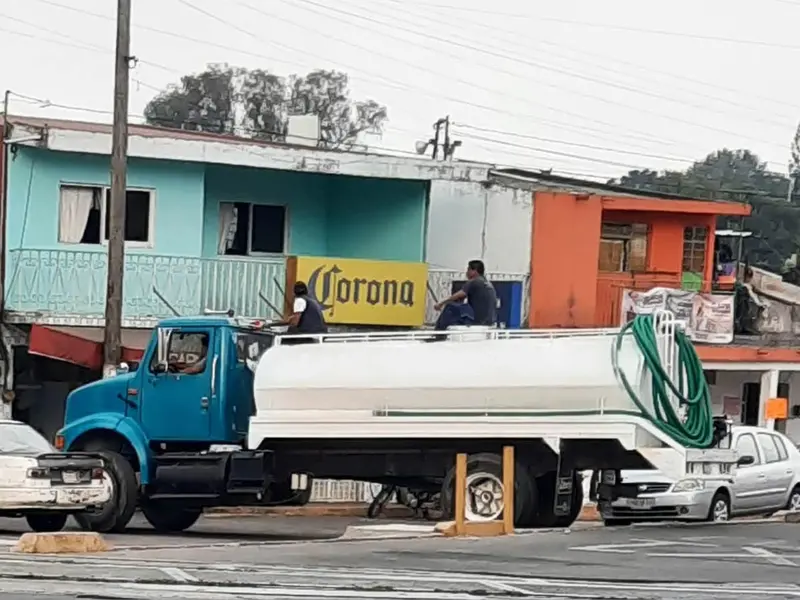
{"x":59,"y":283}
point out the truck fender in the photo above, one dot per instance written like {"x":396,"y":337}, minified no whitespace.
{"x":112,"y":422}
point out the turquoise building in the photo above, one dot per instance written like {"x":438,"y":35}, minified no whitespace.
{"x":210,"y":221}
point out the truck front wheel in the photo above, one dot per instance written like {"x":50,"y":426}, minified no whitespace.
{"x":46,"y":522}
{"x":169,"y":517}
{"x":115,"y":515}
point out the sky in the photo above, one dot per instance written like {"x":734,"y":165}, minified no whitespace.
{"x":586,"y":88}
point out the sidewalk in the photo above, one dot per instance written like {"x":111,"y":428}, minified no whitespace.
{"x":342,"y":509}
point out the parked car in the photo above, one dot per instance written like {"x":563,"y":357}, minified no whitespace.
{"x":43,"y":485}
{"x":767,"y":480}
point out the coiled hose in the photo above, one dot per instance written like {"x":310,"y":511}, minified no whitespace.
{"x":698,"y":429}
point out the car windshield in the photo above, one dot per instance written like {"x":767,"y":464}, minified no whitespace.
{"x":19,"y":438}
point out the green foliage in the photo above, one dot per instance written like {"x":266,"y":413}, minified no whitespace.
{"x":738,"y":176}
{"x":256,"y":103}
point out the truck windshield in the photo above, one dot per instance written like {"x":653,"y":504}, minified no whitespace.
{"x":19,"y":438}
{"x":250,"y":345}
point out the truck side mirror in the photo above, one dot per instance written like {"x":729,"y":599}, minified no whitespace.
{"x":160,"y":367}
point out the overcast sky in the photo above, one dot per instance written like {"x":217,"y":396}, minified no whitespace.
{"x":586,"y":87}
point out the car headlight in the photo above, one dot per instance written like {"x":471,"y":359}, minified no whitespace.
{"x":688,"y":485}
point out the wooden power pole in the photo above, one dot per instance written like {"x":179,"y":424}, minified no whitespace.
{"x":112,"y":338}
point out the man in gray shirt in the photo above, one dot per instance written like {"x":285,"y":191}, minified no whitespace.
{"x":479,"y":293}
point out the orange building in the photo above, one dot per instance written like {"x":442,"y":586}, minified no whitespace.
{"x":591,"y":242}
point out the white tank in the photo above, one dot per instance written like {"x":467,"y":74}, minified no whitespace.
{"x":531,"y":371}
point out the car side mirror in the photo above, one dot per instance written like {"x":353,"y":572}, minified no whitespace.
{"x":745,"y":461}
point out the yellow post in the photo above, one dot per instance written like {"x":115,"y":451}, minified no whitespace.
{"x":508,"y":490}
{"x":461,"y":493}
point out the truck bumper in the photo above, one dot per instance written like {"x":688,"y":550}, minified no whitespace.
{"x":212,"y":478}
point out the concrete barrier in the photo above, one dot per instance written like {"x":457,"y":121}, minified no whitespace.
{"x":62,"y":542}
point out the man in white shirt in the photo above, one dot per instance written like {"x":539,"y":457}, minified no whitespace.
{"x":307,"y":316}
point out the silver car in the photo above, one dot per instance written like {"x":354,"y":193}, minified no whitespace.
{"x":767,"y":480}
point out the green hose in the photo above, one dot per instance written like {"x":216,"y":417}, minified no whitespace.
{"x":698,"y":430}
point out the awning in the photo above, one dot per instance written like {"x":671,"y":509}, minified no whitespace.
{"x":84,"y":345}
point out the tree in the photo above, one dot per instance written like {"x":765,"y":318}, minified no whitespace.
{"x":737,"y":175}
{"x":257,"y":103}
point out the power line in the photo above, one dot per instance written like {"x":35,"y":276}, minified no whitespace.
{"x":491,"y":52}
{"x":646,"y":69}
{"x":74,"y":40}
{"x":608,"y":26}
{"x":576,"y":144}
{"x":419,"y":89}
{"x":437,"y":72}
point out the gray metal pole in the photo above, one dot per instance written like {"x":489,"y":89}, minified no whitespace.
{"x":112,"y":339}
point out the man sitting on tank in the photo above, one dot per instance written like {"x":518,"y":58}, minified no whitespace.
{"x":479,"y":294}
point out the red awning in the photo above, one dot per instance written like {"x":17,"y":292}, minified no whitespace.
{"x":84,"y":345}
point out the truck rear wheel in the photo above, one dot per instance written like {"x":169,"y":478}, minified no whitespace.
{"x":485,"y":494}
{"x":546,"y":516}
{"x":115,"y":515}
{"x":169,"y":517}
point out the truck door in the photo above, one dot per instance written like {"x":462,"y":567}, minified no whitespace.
{"x":176,"y":399}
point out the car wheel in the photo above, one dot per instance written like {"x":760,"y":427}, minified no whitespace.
{"x":794,"y":500}
{"x":46,"y":523}
{"x":720,"y":509}
{"x":115,"y":514}
{"x":169,"y":517}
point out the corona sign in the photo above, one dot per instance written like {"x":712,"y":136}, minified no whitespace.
{"x":363,"y":292}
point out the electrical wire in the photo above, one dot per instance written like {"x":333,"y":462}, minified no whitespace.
{"x":445,"y":75}
{"x":487,"y":50}
{"x":602,"y":65}
{"x":584,"y":130}
{"x":609,"y":26}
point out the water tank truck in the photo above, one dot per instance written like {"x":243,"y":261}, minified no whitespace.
{"x":266,"y":415}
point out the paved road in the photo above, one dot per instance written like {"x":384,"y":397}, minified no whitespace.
{"x":737,"y":560}
{"x":212,"y":530}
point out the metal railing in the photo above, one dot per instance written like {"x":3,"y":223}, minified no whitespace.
{"x":73,"y":282}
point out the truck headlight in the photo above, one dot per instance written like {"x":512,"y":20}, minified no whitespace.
{"x":688,"y":485}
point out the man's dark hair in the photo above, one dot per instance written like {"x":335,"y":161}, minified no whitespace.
{"x":300,"y":289}
{"x":477,"y":266}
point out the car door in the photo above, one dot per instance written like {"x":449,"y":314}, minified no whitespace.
{"x":778,"y":471}
{"x":176,"y":405}
{"x":749,"y":481}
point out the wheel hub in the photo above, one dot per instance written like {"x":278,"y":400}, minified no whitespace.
{"x":485,"y":497}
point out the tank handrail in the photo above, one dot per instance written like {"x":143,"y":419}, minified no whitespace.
{"x":465,"y":334}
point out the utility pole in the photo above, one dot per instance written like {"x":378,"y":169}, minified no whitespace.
{"x":438,"y":127}
{"x":448,"y":146}
{"x":112,"y":338}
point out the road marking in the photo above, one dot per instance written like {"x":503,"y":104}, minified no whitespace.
{"x":770,"y":556}
{"x":178,"y":574}
{"x":636,"y":545}
{"x":503,"y":587}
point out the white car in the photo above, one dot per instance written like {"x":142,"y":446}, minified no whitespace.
{"x":767,"y":480}
{"x":43,"y":485}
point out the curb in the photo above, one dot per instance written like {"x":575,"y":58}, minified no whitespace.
{"x":337,"y":509}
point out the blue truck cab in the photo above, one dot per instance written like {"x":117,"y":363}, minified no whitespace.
{"x":173,"y":428}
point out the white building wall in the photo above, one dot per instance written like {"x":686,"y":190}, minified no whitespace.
{"x":471,"y":220}
{"x":730,"y":383}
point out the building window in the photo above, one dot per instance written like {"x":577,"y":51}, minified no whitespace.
{"x":694,"y":249}
{"x":251,"y":229}
{"x":623,"y":247}
{"x":84,"y":216}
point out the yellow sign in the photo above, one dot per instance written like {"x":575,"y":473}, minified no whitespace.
{"x":364,"y":292}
